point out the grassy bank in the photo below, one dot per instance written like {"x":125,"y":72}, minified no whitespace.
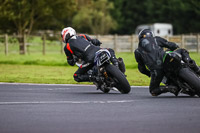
{"x":53,"y":74}
{"x":52,"y":68}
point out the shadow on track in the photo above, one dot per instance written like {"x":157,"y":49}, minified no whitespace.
{"x":97,"y":93}
{"x":179,"y":97}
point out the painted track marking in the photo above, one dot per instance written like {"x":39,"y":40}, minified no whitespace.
{"x":66,"y":102}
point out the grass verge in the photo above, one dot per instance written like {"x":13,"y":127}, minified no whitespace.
{"x":53,"y":69}
{"x":54,"y":74}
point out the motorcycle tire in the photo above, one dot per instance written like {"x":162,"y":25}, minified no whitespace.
{"x":122,"y":83}
{"x":191,"y":79}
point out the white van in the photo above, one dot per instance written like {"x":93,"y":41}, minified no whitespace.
{"x":159,"y":29}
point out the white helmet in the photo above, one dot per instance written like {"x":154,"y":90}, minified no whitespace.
{"x":67,"y":33}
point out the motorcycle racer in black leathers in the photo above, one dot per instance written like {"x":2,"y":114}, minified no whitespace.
{"x":149,"y":56}
{"x":84,"y":48}
{"x":96,"y":42}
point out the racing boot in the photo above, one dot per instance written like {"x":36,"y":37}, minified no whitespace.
{"x":164,"y":89}
{"x":85,"y":78}
{"x":173,"y":89}
{"x":192,"y":64}
{"x":81,"y":78}
{"x":156,"y":92}
{"x":121,"y":65}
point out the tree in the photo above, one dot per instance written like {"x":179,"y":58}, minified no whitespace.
{"x":182,"y":14}
{"x":20,"y":16}
{"x":95,"y":18}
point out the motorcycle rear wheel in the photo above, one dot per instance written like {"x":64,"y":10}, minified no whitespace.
{"x":122,"y":83}
{"x":192,"y":79}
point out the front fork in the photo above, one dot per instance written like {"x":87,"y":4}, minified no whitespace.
{"x":103,"y":72}
{"x":106,"y":79}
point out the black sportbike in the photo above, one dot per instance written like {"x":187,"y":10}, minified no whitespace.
{"x":179,"y":74}
{"x":108,"y":76}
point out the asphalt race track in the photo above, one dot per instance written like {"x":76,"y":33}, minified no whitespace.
{"x":36,"y":108}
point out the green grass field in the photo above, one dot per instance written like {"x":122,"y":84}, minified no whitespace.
{"x":53,"y":69}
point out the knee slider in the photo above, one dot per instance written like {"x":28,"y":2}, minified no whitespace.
{"x":76,"y":78}
{"x":155,"y":92}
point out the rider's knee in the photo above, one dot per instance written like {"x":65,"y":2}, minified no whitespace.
{"x":153,"y":93}
{"x":76,"y":78}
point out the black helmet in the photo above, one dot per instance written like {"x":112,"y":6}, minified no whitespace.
{"x":145,"y":33}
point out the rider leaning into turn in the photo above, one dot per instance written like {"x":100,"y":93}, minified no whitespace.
{"x":84,"y":48}
{"x":149,"y":56}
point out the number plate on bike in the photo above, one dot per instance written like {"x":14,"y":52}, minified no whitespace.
{"x":101,"y":57}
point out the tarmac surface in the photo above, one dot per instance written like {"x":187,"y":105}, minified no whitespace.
{"x":46,"y":108}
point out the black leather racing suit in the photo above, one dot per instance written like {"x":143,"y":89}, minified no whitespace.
{"x":86,"y":53}
{"x":149,"y":56}
{"x":81,"y":47}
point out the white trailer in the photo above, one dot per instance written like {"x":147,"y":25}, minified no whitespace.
{"x":159,"y":29}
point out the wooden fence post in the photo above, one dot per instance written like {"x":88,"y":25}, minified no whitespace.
{"x":167,"y":37}
{"x":182,"y":41}
{"x":132,"y":43}
{"x":44,"y":44}
{"x":6,"y":44}
{"x":198,"y":43}
{"x":97,"y":36}
{"x":115,"y":42}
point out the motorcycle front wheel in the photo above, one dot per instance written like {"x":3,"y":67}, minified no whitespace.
{"x":192,"y":79}
{"x":122,"y":83}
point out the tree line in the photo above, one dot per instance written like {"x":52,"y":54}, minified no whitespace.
{"x":97,"y":16}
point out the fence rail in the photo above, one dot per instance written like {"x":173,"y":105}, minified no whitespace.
{"x":120,"y":43}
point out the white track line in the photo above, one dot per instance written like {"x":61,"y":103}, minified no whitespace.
{"x":66,"y":102}
{"x":56,"y":84}
{"x":45,"y":84}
